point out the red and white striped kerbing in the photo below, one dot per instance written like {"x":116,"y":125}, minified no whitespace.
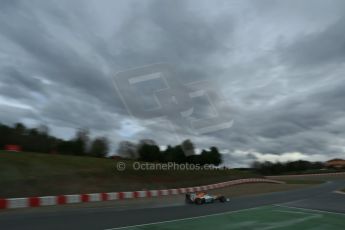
{"x":26,"y":202}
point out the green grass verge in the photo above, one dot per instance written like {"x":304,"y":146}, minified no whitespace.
{"x":33,"y":174}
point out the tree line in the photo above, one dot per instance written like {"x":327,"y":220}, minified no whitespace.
{"x":38,"y":140}
{"x":149,"y":151}
{"x":270,"y":168}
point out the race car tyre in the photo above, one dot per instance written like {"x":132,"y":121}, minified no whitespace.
{"x":222,"y":199}
{"x":188,"y":200}
{"x":199,"y":201}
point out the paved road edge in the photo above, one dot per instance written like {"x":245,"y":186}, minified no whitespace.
{"x":25,"y":202}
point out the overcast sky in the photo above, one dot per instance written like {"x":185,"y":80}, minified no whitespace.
{"x":277,"y":68}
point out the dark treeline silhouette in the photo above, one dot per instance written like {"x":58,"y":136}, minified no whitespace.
{"x":269,"y":168}
{"x":183,"y":153}
{"x":38,"y":140}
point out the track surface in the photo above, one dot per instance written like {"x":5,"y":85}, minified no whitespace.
{"x":320,"y":197}
{"x":260,"y":218}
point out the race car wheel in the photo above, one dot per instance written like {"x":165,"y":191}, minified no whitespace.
{"x":222,"y":199}
{"x":199,"y":201}
{"x":188,"y":200}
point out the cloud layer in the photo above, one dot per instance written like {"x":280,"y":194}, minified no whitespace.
{"x":278,"y":64}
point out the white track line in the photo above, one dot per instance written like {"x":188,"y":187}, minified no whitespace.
{"x":339,"y":192}
{"x":305,"y":211}
{"x":189,"y":218}
{"x":309,"y":210}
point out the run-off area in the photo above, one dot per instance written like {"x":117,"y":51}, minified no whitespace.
{"x":261,"y":218}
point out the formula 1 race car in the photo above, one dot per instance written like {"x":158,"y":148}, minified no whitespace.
{"x":200,"y":198}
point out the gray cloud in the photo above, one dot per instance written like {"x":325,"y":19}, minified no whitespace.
{"x":318,"y":48}
{"x":278,"y":64}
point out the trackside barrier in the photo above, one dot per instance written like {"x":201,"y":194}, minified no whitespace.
{"x":26,"y":202}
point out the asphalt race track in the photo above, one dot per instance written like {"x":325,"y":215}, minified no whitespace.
{"x":321,"y":197}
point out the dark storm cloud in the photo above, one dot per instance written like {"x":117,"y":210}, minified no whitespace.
{"x":299,"y":124}
{"x":318,"y":48}
{"x":170,"y":31}
{"x":57,"y":60}
{"x":15,"y":78}
{"x":278,"y":64}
